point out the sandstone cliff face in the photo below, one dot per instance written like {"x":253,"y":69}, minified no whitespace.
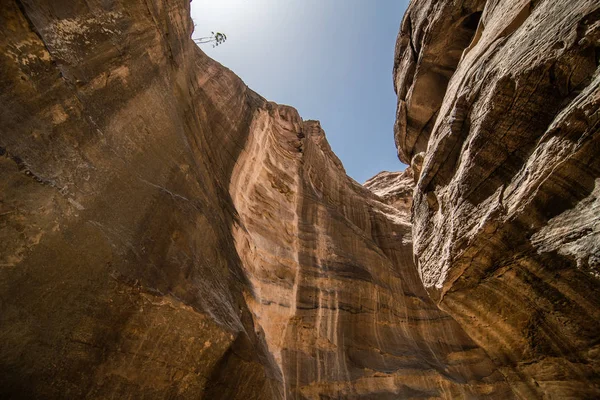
{"x":498,"y":105}
{"x":165,"y":232}
{"x":334,"y":288}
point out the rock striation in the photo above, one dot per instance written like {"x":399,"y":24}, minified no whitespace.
{"x":394,"y":188}
{"x":498,"y":114}
{"x":335,"y":292}
{"x":165,"y":232}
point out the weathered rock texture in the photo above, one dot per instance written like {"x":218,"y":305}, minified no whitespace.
{"x":394,"y":188}
{"x":498,"y":113}
{"x":334,"y":288}
{"x":165,"y":232}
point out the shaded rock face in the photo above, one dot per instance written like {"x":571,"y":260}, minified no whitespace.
{"x":165,"y":232}
{"x":498,"y":114}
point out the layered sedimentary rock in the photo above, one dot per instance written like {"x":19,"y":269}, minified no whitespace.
{"x":165,"y":232}
{"x":334,"y":288}
{"x":394,"y":188}
{"x":118,"y":272}
{"x":498,"y":113}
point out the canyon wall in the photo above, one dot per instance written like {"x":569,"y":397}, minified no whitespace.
{"x":498,"y":115}
{"x":165,"y":232}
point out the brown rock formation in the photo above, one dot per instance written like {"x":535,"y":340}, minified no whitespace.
{"x":165,"y":232}
{"x":394,"y":188}
{"x":334,"y":288}
{"x":498,"y":110}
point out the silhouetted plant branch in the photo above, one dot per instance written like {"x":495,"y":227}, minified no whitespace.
{"x":215,"y":38}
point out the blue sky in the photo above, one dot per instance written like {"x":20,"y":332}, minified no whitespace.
{"x":330,"y":59}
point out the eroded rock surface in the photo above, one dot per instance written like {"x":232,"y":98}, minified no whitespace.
{"x":498,"y":113}
{"x":165,"y":232}
{"x":394,"y":188}
{"x":335,"y":290}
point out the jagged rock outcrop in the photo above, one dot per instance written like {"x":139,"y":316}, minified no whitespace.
{"x":498,"y":111}
{"x":394,"y":188}
{"x":165,"y":232}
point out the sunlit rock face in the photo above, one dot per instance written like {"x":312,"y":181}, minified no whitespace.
{"x":165,"y":232}
{"x":498,"y":115}
{"x":334,"y":290}
{"x":394,"y":188}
